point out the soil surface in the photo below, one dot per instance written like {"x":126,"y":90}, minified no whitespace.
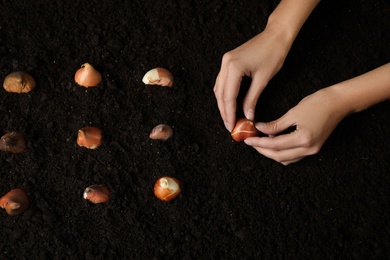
{"x":235,"y":203}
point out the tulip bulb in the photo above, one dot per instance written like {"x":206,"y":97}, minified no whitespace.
{"x":96,"y":194}
{"x":19,"y":82}
{"x":89,"y":137}
{"x":13,"y":142}
{"x":87,"y":76}
{"x":158,"y":76}
{"x":14,"y":202}
{"x":161,"y":132}
{"x":244,"y":128}
{"x":167,"y":188}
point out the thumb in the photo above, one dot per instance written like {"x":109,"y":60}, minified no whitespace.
{"x":273,"y":127}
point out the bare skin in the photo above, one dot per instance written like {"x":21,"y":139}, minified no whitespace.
{"x":261,"y":58}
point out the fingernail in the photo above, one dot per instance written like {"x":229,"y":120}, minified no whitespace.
{"x":260,"y":125}
{"x":228,"y":127}
{"x":248,"y":142}
{"x":250,"y":114}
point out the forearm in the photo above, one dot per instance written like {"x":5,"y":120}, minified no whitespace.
{"x":289,"y":17}
{"x":361,"y":92}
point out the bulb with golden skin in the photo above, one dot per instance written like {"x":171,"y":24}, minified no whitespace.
{"x":87,"y":76}
{"x":19,"y":82}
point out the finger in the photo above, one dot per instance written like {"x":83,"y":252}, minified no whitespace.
{"x":257,"y":86}
{"x":226,"y":91}
{"x":285,"y":163}
{"x":219,"y":91}
{"x":278,"y":143}
{"x":276,"y":126}
{"x":284,"y":155}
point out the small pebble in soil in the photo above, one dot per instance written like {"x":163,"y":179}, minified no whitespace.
{"x":87,"y":76}
{"x":96,"y":194}
{"x":14,"y":202}
{"x":13,"y":142}
{"x":167,"y":188}
{"x":158,"y":76}
{"x":19,"y":82}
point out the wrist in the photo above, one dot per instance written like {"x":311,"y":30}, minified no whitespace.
{"x":281,"y":33}
{"x":361,"y":92}
{"x":289,"y":17}
{"x":338,"y":101}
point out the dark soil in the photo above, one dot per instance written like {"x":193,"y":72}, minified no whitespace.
{"x":235,"y":203}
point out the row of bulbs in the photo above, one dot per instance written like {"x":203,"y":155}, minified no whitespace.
{"x":16,"y":201}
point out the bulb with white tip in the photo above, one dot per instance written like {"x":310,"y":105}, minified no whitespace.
{"x":158,"y":76}
{"x":167,"y":188}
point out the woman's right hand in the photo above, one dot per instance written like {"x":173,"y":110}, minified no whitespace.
{"x":259,"y":58}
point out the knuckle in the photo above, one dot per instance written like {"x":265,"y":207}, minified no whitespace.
{"x":217,"y":92}
{"x":314,"y":150}
{"x":278,"y":158}
{"x":306,"y":140}
{"x":274,"y":125}
{"x":226,"y":99}
{"x":229,"y":61}
{"x":227,"y":57}
{"x":274,"y":146}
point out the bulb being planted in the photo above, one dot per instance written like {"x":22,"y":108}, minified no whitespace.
{"x":161,"y":132}
{"x":96,"y":194}
{"x":89,"y":137}
{"x":158,"y":76}
{"x":87,"y":76}
{"x":13,"y":142}
{"x":14,"y":202}
{"x":244,"y":128}
{"x":19,"y":82}
{"x":167,"y":188}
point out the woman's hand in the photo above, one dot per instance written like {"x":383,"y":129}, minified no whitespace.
{"x":317,"y":115}
{"x":260,"y":58}
{"x":314,"y":118}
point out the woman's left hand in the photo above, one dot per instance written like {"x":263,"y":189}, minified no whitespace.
{"x":314,"y":118}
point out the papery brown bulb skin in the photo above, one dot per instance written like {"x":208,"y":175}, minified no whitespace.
{"x":19,"y":82}
{"x":243,"y":129}
{"x":167,"y":188}
{"x":97,"y":194}
{"x":161,"y":132}
{"x":87,"y":76}
{"x":89,"y":137}
{"x":13,"y":142}
{"x":158,"y":76}
{"x":14,"y":202}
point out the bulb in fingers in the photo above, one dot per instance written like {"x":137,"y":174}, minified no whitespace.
{"x":243,"y":129}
